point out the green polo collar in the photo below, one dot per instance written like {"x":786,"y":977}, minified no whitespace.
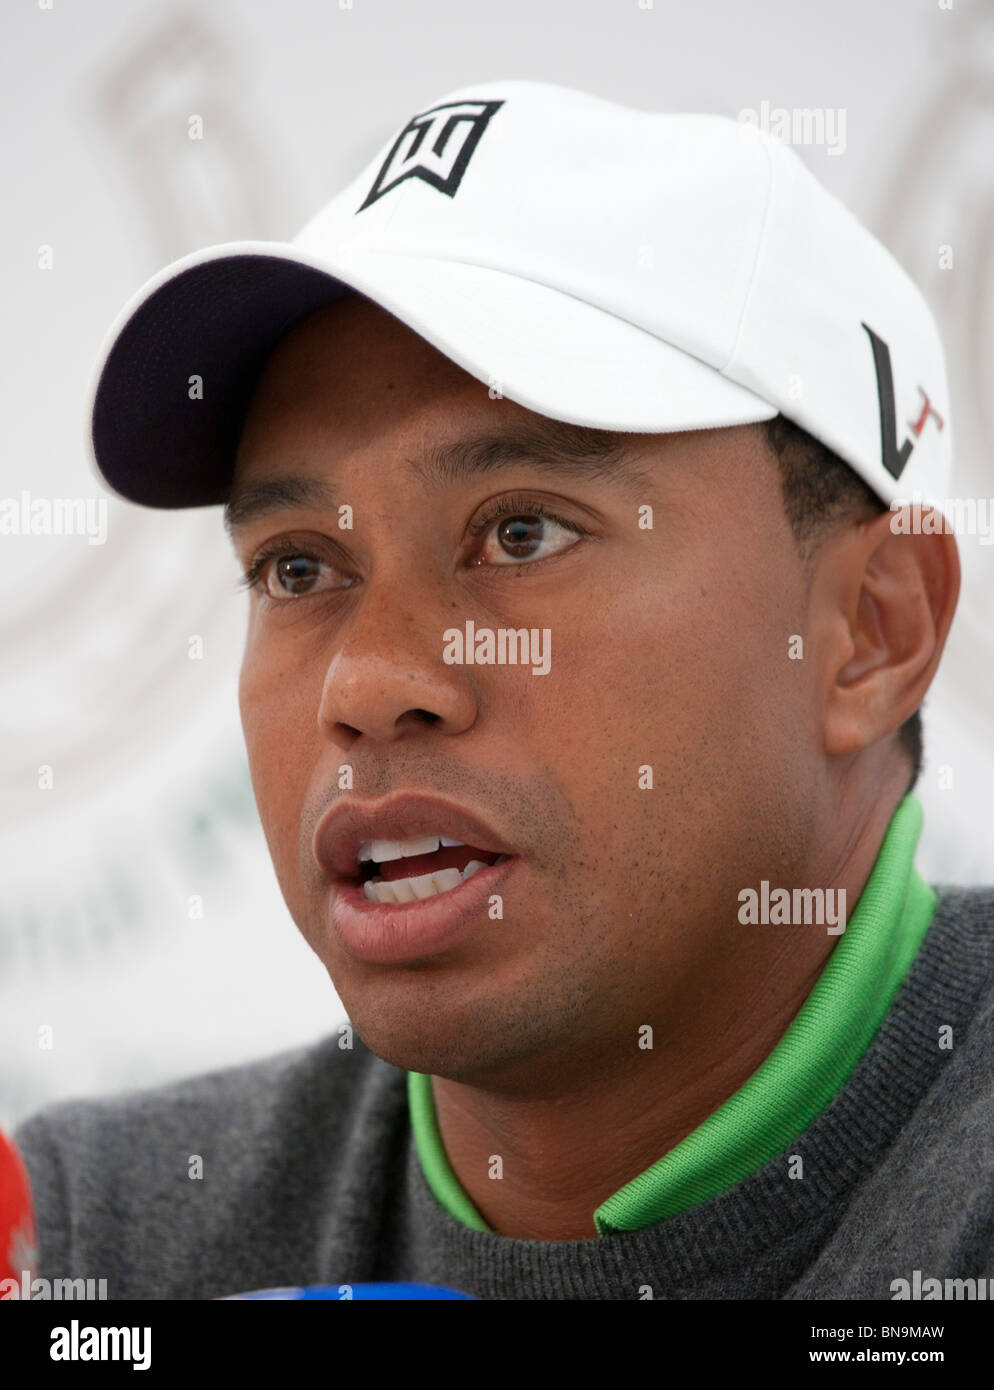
{"x":804,"y":1072}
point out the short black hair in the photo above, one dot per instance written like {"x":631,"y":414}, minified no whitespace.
{"x":820,"y":491}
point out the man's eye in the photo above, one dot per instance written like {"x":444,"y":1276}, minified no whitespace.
{"x":291,"y":576}
{"x":529,"y":536}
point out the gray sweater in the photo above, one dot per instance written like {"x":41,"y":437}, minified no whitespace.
{"x":311,"y":1175}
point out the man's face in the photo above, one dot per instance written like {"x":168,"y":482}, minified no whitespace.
{"x":667,"y":659}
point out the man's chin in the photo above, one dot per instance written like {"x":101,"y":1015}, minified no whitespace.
{"x":437,"y":1050}
{"x":488,"y":1047}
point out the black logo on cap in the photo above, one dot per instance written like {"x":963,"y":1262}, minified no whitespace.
{"x":895,"y":458}
{"x":435,"y":146}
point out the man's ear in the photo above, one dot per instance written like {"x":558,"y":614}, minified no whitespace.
{"x":882,"y":604}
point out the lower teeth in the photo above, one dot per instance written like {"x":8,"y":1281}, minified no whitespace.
{"x":409,"y":890}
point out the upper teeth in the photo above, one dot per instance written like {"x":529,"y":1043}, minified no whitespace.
{"x":383,"y":851}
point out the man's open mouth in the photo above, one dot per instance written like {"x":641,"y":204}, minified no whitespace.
{"x":403,"y":871}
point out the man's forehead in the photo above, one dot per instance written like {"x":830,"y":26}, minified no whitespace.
{"x":351,"y":376}
{"x":356,"y":341}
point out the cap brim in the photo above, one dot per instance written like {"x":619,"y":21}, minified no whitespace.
{"x":175,"y":376}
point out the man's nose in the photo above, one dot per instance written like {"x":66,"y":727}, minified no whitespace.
{"x":386,"y":675}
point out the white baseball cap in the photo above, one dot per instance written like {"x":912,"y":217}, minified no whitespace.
{"x":608,"y":267}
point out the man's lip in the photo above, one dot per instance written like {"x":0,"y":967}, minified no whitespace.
{"x":351,"y":823}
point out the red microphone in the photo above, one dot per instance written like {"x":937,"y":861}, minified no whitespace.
{"x":18,"y":1238}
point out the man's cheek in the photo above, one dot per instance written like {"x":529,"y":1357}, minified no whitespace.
{"x":251,"y":688}
{"x":275,"y":765}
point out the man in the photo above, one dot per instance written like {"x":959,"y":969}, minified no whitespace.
{"x":581,"y":695}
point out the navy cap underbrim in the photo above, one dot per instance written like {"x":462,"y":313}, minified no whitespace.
{"x":153,"y":441}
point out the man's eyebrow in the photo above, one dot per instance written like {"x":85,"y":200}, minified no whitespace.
{"x":577,"y":452}
{"x":275,"y":495}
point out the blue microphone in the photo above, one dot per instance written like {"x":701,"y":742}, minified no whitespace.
{"x":344,"y":1293}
